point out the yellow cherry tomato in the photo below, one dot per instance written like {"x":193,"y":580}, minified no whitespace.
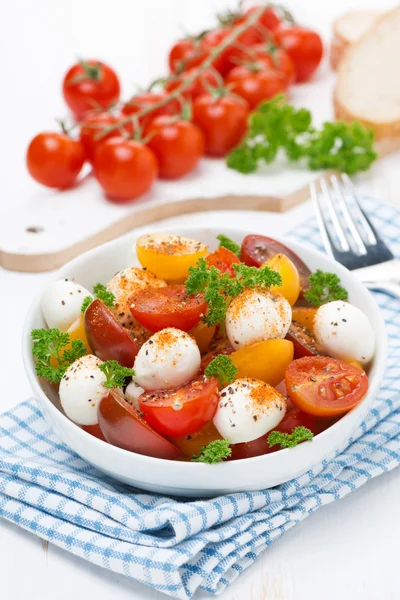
{"x":203,"y":334}
{"x":290,"y":287}
{"x":191,"y":444}
{"x":266,"y":360}
{"x":305,"y":316}
{"x":76,"y":332}
{"x":355,"y":363}
{"x":169,"y":256}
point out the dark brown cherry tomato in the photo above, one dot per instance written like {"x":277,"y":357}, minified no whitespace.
{"x":147,"y":99}
{"x":122,"y":426}
{"x":304,"y":47}
{"x":217,"y":347}
{"x":88,"y":85}
{"x":107,"y":338}
{"x":95,"y":431}
{"x":183,"y":410}
{"x":325,"y":387}
{"x":170,"y":306}
{"x":223,"y":259}
{"x":191,"y":444}
{"x":257,"y":249}
{"x":304,"y":341}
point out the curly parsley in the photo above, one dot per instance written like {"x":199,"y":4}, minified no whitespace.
{"x":289,"y":440}
{"x":225,"y":242}
{"x":54,"y":352}
{"x":115,"y":373}
{"x":215,"y":452}
{"x":222,"y":368}
{"x":101,"y":292}
{"x":324,"y":287}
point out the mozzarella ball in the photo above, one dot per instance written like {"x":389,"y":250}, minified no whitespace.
{"x":344,"y":332}
{"x":257,"y":315}
{"x":248,"y":409}
{"x":123,"y":285}
{"x":62,"y":302}
{"x":132,"y":393}
{"x":168,"y":359}
{"x":81,"y":390}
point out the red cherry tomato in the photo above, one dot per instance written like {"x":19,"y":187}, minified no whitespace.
{"x":268,"y":19}
{"x":177,"y":144}
{"x":277,"y":59}
{"x":256,"y":87}
{"x":125,"y":169}
{"x":223,"y":259}
{"x":107,"y":338}
{"x":293,"y":418}
{"x":304,"y":341}
{"x":323,"y":386}
{"x":89,"y":85}
{"x":94,"y":430}
{"x":257,"y":249}
{"x":304,"y":47}
{"x":159,"y":308}
{"x":144,"y":100}
{"x":208,"y":77}
{"x":181,"y":411}
{"x":55,"y":159}
{"x":233,"y":53}
{"x":122,"y":426}
{"x":222,"y":120}
{"x":185,"y":54}
{"x":94,"y":124}
{"x":217,"y":347}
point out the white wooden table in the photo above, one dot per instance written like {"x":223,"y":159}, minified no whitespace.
{"x":347,"y":550}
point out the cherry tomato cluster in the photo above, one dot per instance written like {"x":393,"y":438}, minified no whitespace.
{"x":215,"y":80}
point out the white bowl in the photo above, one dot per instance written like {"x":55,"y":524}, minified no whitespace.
{"x":197,"y":479}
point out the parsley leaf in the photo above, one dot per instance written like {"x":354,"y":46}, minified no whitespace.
{"x":214,"y":452}
{"x":115,"y":373}
{"x":324,"y":287}
{"x":277,"y":126}
{"x":289,"y":440}
{"x":225,"y":242}
{"x":222,"y":368}
{"x":86,"y":302}
{"x":55,"y":352}
{"x":101,"y":292}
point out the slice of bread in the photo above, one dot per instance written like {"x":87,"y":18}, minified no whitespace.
{"x":367,"y":87}
{"x":347,"y":30}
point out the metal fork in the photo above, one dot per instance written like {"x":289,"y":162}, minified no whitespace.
{"x":349,"y":236}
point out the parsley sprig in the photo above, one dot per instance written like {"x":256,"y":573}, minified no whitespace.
{"x":219,"y":288}
{"x":115,"y":373}
{"x":55,"y":352}
{"x":101,"y":292}
{"x":225,"y":242}
{"x":277,"y":126}
{"x":222,"y":368}
{"x":324,"y":287}
{"x":215,"y":452}
{"x":289,"y":440}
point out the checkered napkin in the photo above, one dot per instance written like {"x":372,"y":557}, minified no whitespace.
{"x":177,"y":546}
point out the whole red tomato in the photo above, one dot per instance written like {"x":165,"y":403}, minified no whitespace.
{"x":256,"y":86}
{"x":55,"y":159}
{"x":233,"y":53}
{"x":88,"y":85}
{"x":276,"y":58}
{"x":177,"y":144}
{"x":124,"y":168}
{"x":94,"y":124}
{"x":266,"y":23}
{"x":223,"y":121}
{"x":185,"y":54}
{"x":304,"y":47}
{"x":145,"y":100}
{"x":208,"y":77}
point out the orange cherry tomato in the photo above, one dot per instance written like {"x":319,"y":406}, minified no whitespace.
{"x":223,"y":259}
{"x":203,"y":335}
{"x":77,"y":331}
{"x":191,"y":444}
{"x":290,"y":287}
{"x":219,"y":346}
{"x":304,"y":316}
{"x":266,"y":360}
{"x":323,"y":386}
{"x":181,"y":411}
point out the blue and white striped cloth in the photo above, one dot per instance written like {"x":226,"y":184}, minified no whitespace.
{"x":178,"y":546}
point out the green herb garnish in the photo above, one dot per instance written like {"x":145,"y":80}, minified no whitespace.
{"x":86,"y":302}
{"x":55,"y":352}
{"x":115,"y":373}
{"x":101,"y":292}
{"x":289,"y":440}
{"x":277,"y":126}
{"x":214,"y":452}
{"x":225,"y":242}
{"x":324,"y":287}
{"x":222,"y":368}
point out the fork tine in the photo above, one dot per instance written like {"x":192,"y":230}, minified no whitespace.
{"x":344,"y":245}
{"x":325,"y":235}
{"x":365,"y":222}
{"x":361,"y":249}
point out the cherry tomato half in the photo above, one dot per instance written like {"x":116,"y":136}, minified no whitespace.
{"x":170,"y":306}
{"x":181,"y":411}
{"x":95,"y":431}
{"x":107,"y":338}
{"x":304,"y":341}
{"x":304,"y":47}
{"x":223,"y":259}
{"x":122,"y":426}
{"x":323,"y":386}
{"x":217,"y":347}
{"x":90,"y":85}
{"x":54,"y":159}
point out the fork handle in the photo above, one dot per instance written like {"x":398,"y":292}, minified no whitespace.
{"x":391,"y":288}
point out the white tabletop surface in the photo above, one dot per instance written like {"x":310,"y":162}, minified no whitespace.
{"x":347,"y":550}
